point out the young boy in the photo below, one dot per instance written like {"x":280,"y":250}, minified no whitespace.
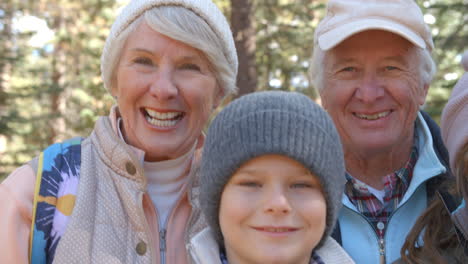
{"x":272,"y":177}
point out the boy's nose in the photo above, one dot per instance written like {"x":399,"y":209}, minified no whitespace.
{"x":277,"y":202}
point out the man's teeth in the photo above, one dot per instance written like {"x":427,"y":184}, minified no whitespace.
{"x":165,"y":119}
{"x":375,"y":116}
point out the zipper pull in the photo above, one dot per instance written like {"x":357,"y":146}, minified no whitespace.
{"x":162,"y":240}
{"x":382,"y":250}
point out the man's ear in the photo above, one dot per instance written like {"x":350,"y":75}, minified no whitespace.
{"x":423,"y":94}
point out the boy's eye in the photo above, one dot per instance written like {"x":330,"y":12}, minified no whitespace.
{"x":301,"y":185}
{"x":250,"y":184}
{"x":143,"y":61}
{"x":190,"y":66}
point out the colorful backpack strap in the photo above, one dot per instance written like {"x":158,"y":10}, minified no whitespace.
{"x":57,"y":177}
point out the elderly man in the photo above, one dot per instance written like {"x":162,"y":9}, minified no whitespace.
{"x":372,"y":65}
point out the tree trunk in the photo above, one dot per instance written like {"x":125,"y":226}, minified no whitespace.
{"x":243,"y":27}
{"x":57,"y":81}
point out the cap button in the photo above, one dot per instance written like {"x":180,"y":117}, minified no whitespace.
{"x":130,"y":168}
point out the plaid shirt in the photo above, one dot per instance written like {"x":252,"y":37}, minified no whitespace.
{"x":395,"y":186}
{"x":314,"y":259}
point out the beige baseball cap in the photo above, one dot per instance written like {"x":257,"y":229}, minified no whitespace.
{"x":345,"y":18}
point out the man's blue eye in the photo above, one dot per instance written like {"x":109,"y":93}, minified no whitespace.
{"x":391,"y":68}
{"x":349,"y":69}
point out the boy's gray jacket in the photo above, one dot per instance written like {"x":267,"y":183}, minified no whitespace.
{"x":203,"y":249}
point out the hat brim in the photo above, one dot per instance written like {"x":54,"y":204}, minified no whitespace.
{"x":330,"y":39}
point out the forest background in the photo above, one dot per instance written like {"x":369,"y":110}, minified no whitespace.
{"x":50,"y":85}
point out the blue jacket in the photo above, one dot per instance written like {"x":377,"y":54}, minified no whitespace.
{"x":358,"y":236}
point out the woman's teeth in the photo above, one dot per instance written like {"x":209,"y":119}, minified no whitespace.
{"x":163,"y":119}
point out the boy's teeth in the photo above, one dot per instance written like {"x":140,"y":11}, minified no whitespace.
{"x":276,"y":229}
{"x":373,"y":117}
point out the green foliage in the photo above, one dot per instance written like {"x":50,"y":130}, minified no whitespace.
{"x":450,"y":34}
{"x":54,"y":91}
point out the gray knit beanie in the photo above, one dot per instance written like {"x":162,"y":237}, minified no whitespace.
{"x":284,"y":123}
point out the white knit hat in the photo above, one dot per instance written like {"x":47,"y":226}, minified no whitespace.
{"x":206,"y":9}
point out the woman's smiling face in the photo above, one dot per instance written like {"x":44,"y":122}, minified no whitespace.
{"x":165,"y":91}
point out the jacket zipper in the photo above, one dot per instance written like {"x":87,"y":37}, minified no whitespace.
{"x":382,"y":250}
{"x":164,"y":228}
{"x":380,"y":241}
{"x":162,"y":245}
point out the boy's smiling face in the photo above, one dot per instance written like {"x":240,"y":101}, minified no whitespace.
{"x":272,"y":211}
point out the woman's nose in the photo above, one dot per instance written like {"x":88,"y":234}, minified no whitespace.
{"x":163,"y":86}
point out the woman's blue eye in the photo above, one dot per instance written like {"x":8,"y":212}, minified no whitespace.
{"x":191,"y":66}
{"x":144,"y":61}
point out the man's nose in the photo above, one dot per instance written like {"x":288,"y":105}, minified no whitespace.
{"x":370,"y":88}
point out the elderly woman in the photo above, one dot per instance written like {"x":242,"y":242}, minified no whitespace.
{"x":125,"y":193}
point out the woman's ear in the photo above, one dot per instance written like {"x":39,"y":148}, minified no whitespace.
{"x":218,"y":97}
